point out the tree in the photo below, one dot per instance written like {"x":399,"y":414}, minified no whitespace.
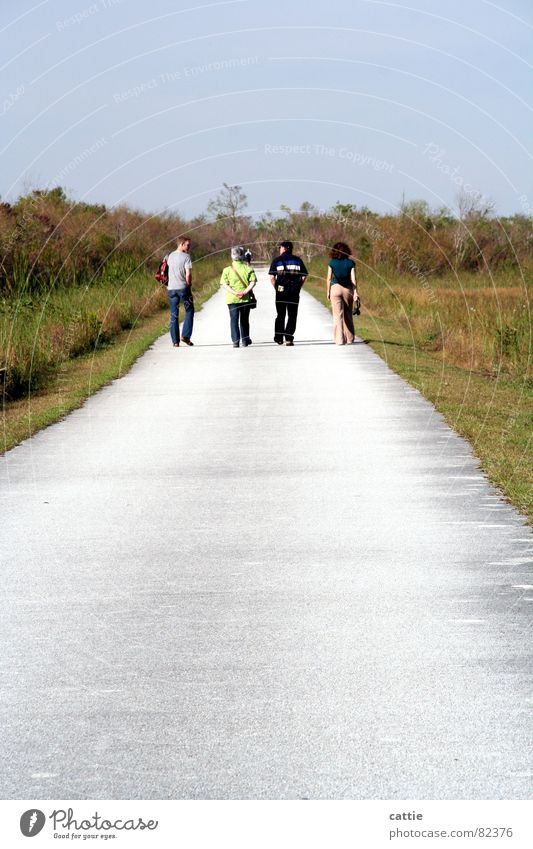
{"x":307,"y":209}
{"x":56,"y":195}
{"x":228,"y":205}
{"x":418,"y":208}
{"x":473,"y":205}
{"x":343,"y":211}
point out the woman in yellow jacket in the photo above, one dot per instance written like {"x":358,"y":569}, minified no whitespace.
{"x":238,"y":279}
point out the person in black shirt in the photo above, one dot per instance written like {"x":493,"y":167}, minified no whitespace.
{"x":287,"y":274}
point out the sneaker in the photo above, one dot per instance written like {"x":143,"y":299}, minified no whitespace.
{"x":278,"y":341}
{"x":289,"y":342}
{"x":176,"y":344}
{"x":235,"y":344}
{"x":187,"y":341}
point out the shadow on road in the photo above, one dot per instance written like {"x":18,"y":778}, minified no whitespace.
{"x":264,"y":344}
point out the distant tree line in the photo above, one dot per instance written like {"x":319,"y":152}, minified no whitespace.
{"x":47,"y":238}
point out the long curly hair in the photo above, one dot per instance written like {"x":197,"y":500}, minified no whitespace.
{"x":340,"y":250}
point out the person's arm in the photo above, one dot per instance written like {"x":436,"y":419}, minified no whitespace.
{"x":188,"y":273}
{"x":328,"y":283}
{"x":224,"y":283}
{"x":237,"y":293}
{"x":353,"y":278}
{"x":273,"y":273}
{"x":252,"y":280}
{"x":304,"y":273}
{"x":241,"y":293}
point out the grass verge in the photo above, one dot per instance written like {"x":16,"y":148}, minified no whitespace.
{"x":491,"y":410}
{"x":78,"y":380}
{"x":80,"y":377}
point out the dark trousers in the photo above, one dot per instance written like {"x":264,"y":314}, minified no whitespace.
{"x":239,"y":320}
{"x":285,"y":323}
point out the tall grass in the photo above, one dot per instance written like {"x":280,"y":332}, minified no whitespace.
{"x":41,"y":330}
{"x":481,"y":322}
{"x":73,"y":275}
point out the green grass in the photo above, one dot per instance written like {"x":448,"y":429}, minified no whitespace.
{"x":484,"y":388}
{"x":52,"y":386}
{"x":79,"y":378}
{"x":39,"y":333}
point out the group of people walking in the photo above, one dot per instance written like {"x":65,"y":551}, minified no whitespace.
{"x":287,"y":274}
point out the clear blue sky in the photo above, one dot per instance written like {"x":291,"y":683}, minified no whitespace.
{"x":156,"y":104}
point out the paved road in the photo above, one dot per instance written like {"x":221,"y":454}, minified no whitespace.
{"x":261,"y":573}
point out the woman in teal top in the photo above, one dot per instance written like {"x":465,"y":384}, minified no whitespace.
{"x":238,"y":279}
{"x":341,"y":289}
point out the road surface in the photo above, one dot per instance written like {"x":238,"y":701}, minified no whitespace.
{"x":261,"y":573}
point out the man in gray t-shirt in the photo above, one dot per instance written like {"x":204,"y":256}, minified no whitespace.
{"x":180,"y":291}
{"x":179,"y":262}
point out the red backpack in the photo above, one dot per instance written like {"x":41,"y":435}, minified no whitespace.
{"x":162,"y":273}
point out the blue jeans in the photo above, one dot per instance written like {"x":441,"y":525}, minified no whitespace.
{"x":239,"y":321}
{"x":175,"y":297}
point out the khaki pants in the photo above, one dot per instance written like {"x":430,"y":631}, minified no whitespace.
{"x":341,"y":307}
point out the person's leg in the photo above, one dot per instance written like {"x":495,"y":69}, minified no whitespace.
{"x":337,"y":309}
{"x":234,"y":323}
{"x":349,"y":330}
{"x":279,"y":326}
{"x":244,"y":317}
{"x":290,"y":327}
{"x":188,"y":303}
{"x":174,"y":303}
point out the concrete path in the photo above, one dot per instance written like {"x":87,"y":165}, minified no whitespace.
{"x":261,"y":573}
